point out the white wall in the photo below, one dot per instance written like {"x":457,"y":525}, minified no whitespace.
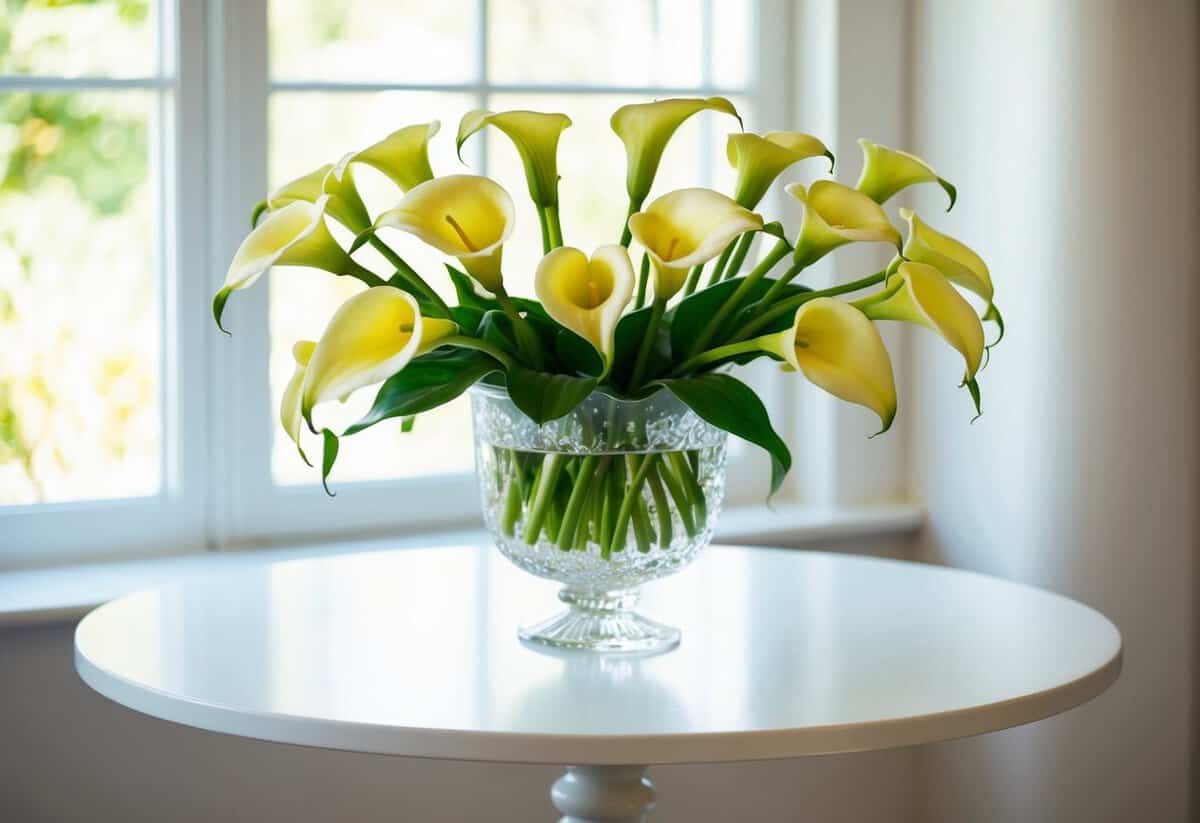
{"x":1071,"y":129}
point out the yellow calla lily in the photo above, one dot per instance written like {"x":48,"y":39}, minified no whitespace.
{"x":840,"y":350}
{"x":535,"y":135}
{"x":587,"y":296}
{"x":886,"y":171}
{"x":835,"y":215}
{"x":462,"y":215}
{"x":760,"y":159}
{"x":403,"y":156}
{"x":686,"y":228}
{"x":918,"y":293}
{"x":951,"y":257}
{"x":370,"y":337}
{"x":289,"y":409}
{"x":344,"y":203}
{"x":645,"y":129}
{"x":295,"y":235}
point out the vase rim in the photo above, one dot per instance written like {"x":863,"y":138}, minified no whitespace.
{"x":501,"y":392}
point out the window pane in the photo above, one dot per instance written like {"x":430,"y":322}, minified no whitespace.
{"x":632,"y":43}
{"x":113,"y":38}
{"x":403,"y":41}
{"x":732,"y":58}
{"x":80,"y":409}
{"x":302,"y":301}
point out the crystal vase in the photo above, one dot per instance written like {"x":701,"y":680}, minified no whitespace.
{"x":614,"y":494}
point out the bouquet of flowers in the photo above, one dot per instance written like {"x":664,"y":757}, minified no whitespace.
{"x":669,"y":306}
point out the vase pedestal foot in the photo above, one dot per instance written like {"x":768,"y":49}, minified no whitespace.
{"x":603,"y":794}
{"x":603,"y":622}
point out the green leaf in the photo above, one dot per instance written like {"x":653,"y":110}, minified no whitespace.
{"x":576,"y":354}
{"x":222,"y":297}
{"x":731,"y":405}
{"x":631,"y":329}
{"x":692,"y":314}
{"x":426,"y":383}
{"x":328,"y":457}
{"x":407,"y":423}
{"x":545,"y":397}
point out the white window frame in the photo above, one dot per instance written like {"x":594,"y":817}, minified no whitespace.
{"x":218,"y":488}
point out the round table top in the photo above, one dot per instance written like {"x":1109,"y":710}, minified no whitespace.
{"x":414,"y":652}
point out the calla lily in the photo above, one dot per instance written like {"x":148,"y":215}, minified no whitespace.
{"x":295,"y":235}
{"x":886,"y":171}
{"x":918,"y":293}
{"x":462,"y":215}
{"x":370,"y":337}
{"x":645,"y":129}
{"x":403,"y":155}
{"x":952,"y":258}
{"x":759,"y":160}
{"x":289,"y":409}
{"x":344,"y":203}
{"x":686,"y":228}
{"x":840,"y":350}
{"x":587,"y":296}
{"x":835,"y":215}
{"x":535,"y":134}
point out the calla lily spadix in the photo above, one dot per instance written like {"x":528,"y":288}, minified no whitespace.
{"x":886,"y":171}
{"x":403,"y":156}
{"x":289,"y":410}
{"x":587,"y":296}
{"x":835,"y":215}
{"x":920,"y":294}
{"x":838,"y":349}
{"x":344,"y":203}
{"x":761,"y":159}
{"x":686,"y":228}
{"x":295,"y":235}
{"x":463,"y":215}
{"x":370,"y":337}
{"x":645,"y":129}
{"x":951,"y":257}
{"x":535,"y":135}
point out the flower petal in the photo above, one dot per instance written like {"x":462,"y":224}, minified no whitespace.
{"x":959,"y":263}
{"x":886,"y":171}
{"x":761,"y":159}
{"x":835,"y":215}
{"x":587,"y":296}
{"x":645,"y":129}
{"x":403,"y":155}
{"x":535,"y":135}
{"x":289,"y":409}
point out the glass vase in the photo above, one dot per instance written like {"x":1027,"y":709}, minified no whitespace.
{"x":614,"y":494}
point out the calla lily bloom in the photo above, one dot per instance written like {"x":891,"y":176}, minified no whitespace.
{"x":952,"y":258}
{"x":686,"y":228}
{"x":403,"y":155}
{"x":370,"y":337}
{"x":587,"y":296}
{"x":295,"y":235}
{"x":918,"y":293}
{"x":344,"y":203}
{"x":886,"y":171}
{"x":535,"y":135}
{"x":462,"y":215}
{"x":289,"y":409}
{"x":840,"y":350}
{"x":835,"y":215}
{"x":645,"y":129}
{"x":759,"y":160}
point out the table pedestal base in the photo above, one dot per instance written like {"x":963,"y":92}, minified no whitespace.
{"x":603,"y":794}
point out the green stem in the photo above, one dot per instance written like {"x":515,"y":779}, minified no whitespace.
{"x":658,"y":308}
{"x":722,"y":261}
{"x":684,"y":469}
{"x":545,"y":230}
{"x":512,"y":498}
{"x":739,"y":256}
{"x":793,"y":303}
{"x":679,"y":495}
{"x":612,"y":502}
{"x":542,"y":496}
{"x":553,"y":227}
{"x":633,"y":493}
{"x":662,"y":510}
{"x":409,"y":274}
{"x":735,"y":300}
{"x":626,"y":234}
{"x":643,"y":279}
{"x":714,"y":356}
{"x":464,"y":342}
{"x":693,"y":280}
{"x":527,"y":339}
{"x":364,"y":275}
{"x":583,"y":484}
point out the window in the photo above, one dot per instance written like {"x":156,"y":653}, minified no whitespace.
{"x":135,"y":136}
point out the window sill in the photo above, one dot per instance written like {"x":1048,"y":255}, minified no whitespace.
{"x":64,"y":593}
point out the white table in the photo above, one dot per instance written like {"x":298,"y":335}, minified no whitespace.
{"x":784,"y":654}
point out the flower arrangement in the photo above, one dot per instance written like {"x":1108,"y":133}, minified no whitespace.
{"x":693,"y":305}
